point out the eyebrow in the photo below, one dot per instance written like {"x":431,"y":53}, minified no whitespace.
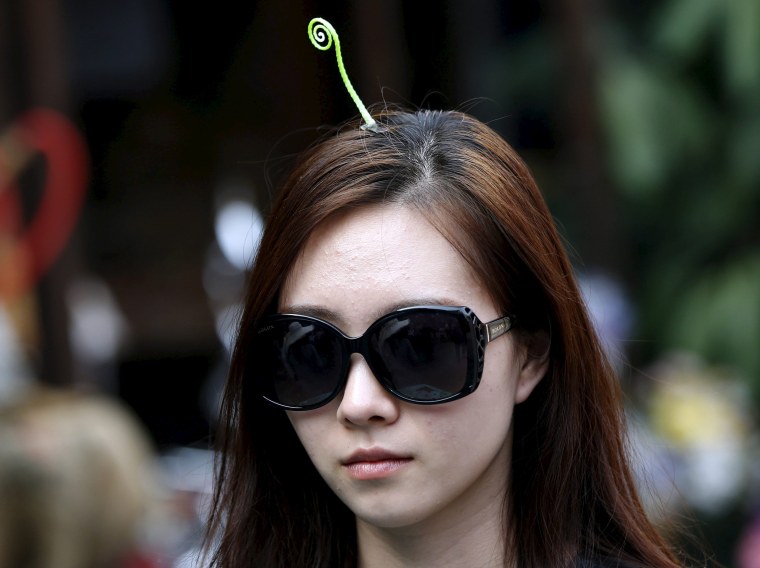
{"x":335,"y":318}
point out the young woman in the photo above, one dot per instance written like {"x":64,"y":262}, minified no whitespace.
{"x":416,"y":381}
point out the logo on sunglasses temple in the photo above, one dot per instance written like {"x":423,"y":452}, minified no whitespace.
{"x":496,"y":328}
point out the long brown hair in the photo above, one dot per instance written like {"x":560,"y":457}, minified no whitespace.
{"x":571,"y":489}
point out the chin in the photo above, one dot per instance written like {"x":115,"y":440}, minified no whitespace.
{"x":389,"y":520}
{"x":389,"y":517}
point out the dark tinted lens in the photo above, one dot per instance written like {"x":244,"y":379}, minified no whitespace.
{"x":423,"y":353}
{"x":300,"y":361}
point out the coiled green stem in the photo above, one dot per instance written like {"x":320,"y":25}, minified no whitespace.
{"x":322,"y":35}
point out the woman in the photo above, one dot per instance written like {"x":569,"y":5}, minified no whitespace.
{"x":475,"y":423}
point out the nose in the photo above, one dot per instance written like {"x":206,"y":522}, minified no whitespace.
{"x":365,"y":402}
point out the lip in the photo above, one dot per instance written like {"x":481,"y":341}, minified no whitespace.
{"x":374,"y":463}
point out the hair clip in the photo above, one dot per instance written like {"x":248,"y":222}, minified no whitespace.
{"x":322,"y":35}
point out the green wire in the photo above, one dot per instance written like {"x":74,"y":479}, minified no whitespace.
{"x":322,"y":34}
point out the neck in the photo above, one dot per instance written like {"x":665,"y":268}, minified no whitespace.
{"x":476,"y":539}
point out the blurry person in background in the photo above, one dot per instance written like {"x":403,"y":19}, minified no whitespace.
{"x":75,"y":482}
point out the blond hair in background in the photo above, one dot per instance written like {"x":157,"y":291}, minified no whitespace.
{"x":74,"y":481}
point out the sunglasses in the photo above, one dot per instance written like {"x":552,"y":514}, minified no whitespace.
{"x":421,"y":354}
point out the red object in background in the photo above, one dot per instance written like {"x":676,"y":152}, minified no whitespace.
{"x":26,"y":253}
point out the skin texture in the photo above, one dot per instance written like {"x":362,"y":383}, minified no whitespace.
{"x":443,"y":505}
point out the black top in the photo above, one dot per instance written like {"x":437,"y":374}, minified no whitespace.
{"x":605,"y":562}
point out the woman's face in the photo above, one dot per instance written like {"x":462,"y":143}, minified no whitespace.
{"x":393,"y":463}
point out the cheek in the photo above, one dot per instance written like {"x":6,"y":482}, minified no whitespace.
{"x":472,"y":428}
{"x":495,"y":398}
{"x":308,"y":432}
{"x":313,"y":430}
{"x":501,"y":373}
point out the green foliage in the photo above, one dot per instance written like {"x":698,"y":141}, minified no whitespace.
{"x":718,"y":315}
{"x":681,"y":114}
{"x":657,"y":123}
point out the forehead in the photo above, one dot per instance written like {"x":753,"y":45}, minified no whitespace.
{"x":362,"y":263}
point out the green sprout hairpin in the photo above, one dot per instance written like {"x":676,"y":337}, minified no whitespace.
{"x":322,"y":35}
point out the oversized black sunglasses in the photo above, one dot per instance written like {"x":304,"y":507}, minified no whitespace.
{"x":421,"y":354}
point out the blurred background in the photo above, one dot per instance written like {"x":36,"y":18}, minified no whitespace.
{"x":140,"y":146}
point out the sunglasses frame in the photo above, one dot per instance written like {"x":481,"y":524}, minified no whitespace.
{"x":478,"y":335}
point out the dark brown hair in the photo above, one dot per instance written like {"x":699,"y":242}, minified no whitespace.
{"x":572,"y":493}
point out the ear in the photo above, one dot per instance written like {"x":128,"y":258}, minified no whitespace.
{"x":534,"y":356}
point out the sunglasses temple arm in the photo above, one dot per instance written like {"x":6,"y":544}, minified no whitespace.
{"x":497,"y":327}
